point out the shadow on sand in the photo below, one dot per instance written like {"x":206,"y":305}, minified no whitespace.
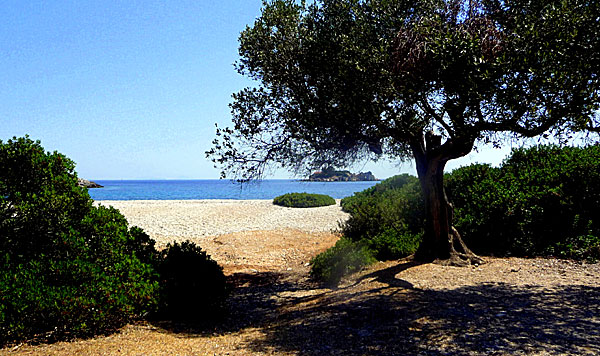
{"x":382,"y":315}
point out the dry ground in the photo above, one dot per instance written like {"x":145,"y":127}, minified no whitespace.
{"x":504,"y":307}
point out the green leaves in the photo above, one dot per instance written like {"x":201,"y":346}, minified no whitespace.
{"x":344,"y":258}
{"x":193,"y":286}
{"x":336,"y":78}
{"x":543,"y":200}
{"x":324,"y":84}
{"x":68,"y":268}
{"x":303,"y":200}
{"x":387,"y":218}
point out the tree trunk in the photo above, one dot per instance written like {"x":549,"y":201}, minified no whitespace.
{"x":441,"y":243}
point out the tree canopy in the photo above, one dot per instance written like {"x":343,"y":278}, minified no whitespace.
{"x":340,"y":81}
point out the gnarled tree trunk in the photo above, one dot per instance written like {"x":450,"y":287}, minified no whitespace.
{"x":441,"y":243}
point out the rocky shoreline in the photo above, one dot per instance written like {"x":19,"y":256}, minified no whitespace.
{"x":88,"y":183}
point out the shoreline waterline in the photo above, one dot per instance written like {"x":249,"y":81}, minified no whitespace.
{"x":219,"y":189}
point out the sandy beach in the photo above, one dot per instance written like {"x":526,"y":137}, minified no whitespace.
{"x":176,"y":220}
{"x":241,"y":235}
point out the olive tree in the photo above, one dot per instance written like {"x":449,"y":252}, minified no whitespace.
{"x":340,"y":81}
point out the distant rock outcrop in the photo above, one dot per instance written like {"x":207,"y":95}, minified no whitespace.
{"x":88,"y":183}
{"x":365,"y":176}
{"x":331,"y":175}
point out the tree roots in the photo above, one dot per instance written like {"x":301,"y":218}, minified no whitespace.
{"x":460,"y":254}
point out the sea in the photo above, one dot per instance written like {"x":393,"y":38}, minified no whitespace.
{"x":219,"y":189}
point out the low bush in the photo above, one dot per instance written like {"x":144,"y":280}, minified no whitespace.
{"x":480,"y":207}
{"x":344,"y":258}
{"x":387,"y":218}
{"x":386,"y":222}
{"x":193,"y":285}
{"x":303,"y":200}
{"x":393,"y":244}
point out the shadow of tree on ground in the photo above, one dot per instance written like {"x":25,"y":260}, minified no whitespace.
{"x":383,"y":315}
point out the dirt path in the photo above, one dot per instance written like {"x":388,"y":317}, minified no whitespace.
{"x":505,"y":307}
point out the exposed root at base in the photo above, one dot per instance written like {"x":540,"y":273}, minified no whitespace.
{"x":464,"y":257}
{"x":458,"y":259}
{"x":457,"y":253}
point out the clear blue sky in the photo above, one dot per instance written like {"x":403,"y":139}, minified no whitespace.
{"x":129,"y":89}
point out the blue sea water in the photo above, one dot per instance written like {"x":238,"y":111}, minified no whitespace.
{"x":218,"y":189}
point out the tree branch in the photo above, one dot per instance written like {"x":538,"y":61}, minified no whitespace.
{"x":592,"y":128}
{"x":424,"y":105}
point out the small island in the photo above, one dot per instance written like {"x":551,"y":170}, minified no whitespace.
{"x":331,"y":175}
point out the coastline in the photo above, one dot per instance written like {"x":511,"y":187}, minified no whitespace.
{"x":179,"y":220}
{"x":219,"y":189}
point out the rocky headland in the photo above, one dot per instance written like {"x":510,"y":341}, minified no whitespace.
{"x":88,"y":183}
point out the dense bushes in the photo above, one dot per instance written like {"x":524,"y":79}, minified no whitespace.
{"x":303,"y":200}
{"x":543,"y":201}
{"x":70,"y":269}
{"x":385,"y":223}
{"x":480,"y":207}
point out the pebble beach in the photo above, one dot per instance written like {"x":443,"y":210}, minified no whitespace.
{"x":175,"y":220}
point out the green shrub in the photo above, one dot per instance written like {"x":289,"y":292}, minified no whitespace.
{"x":344,"y":258}
{"x":303,"y":200}
{"x":481,"y":208}
{"x":68,"y":269}
{"x":349,"y":204}
{"x":193,"y":285}
{"x":387,"y":218}
{"x":543,"y":200}
{"x":579,"y":247}
{"x":392,"y":244}
{"x":385,"y":223}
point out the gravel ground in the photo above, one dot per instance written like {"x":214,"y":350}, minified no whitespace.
{"x":507,"y":306}
{"x":176,"y":220}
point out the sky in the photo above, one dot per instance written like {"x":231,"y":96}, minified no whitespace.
{"x":132,"y":89}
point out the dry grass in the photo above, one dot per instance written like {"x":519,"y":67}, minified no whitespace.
{"x":504,"y":307}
